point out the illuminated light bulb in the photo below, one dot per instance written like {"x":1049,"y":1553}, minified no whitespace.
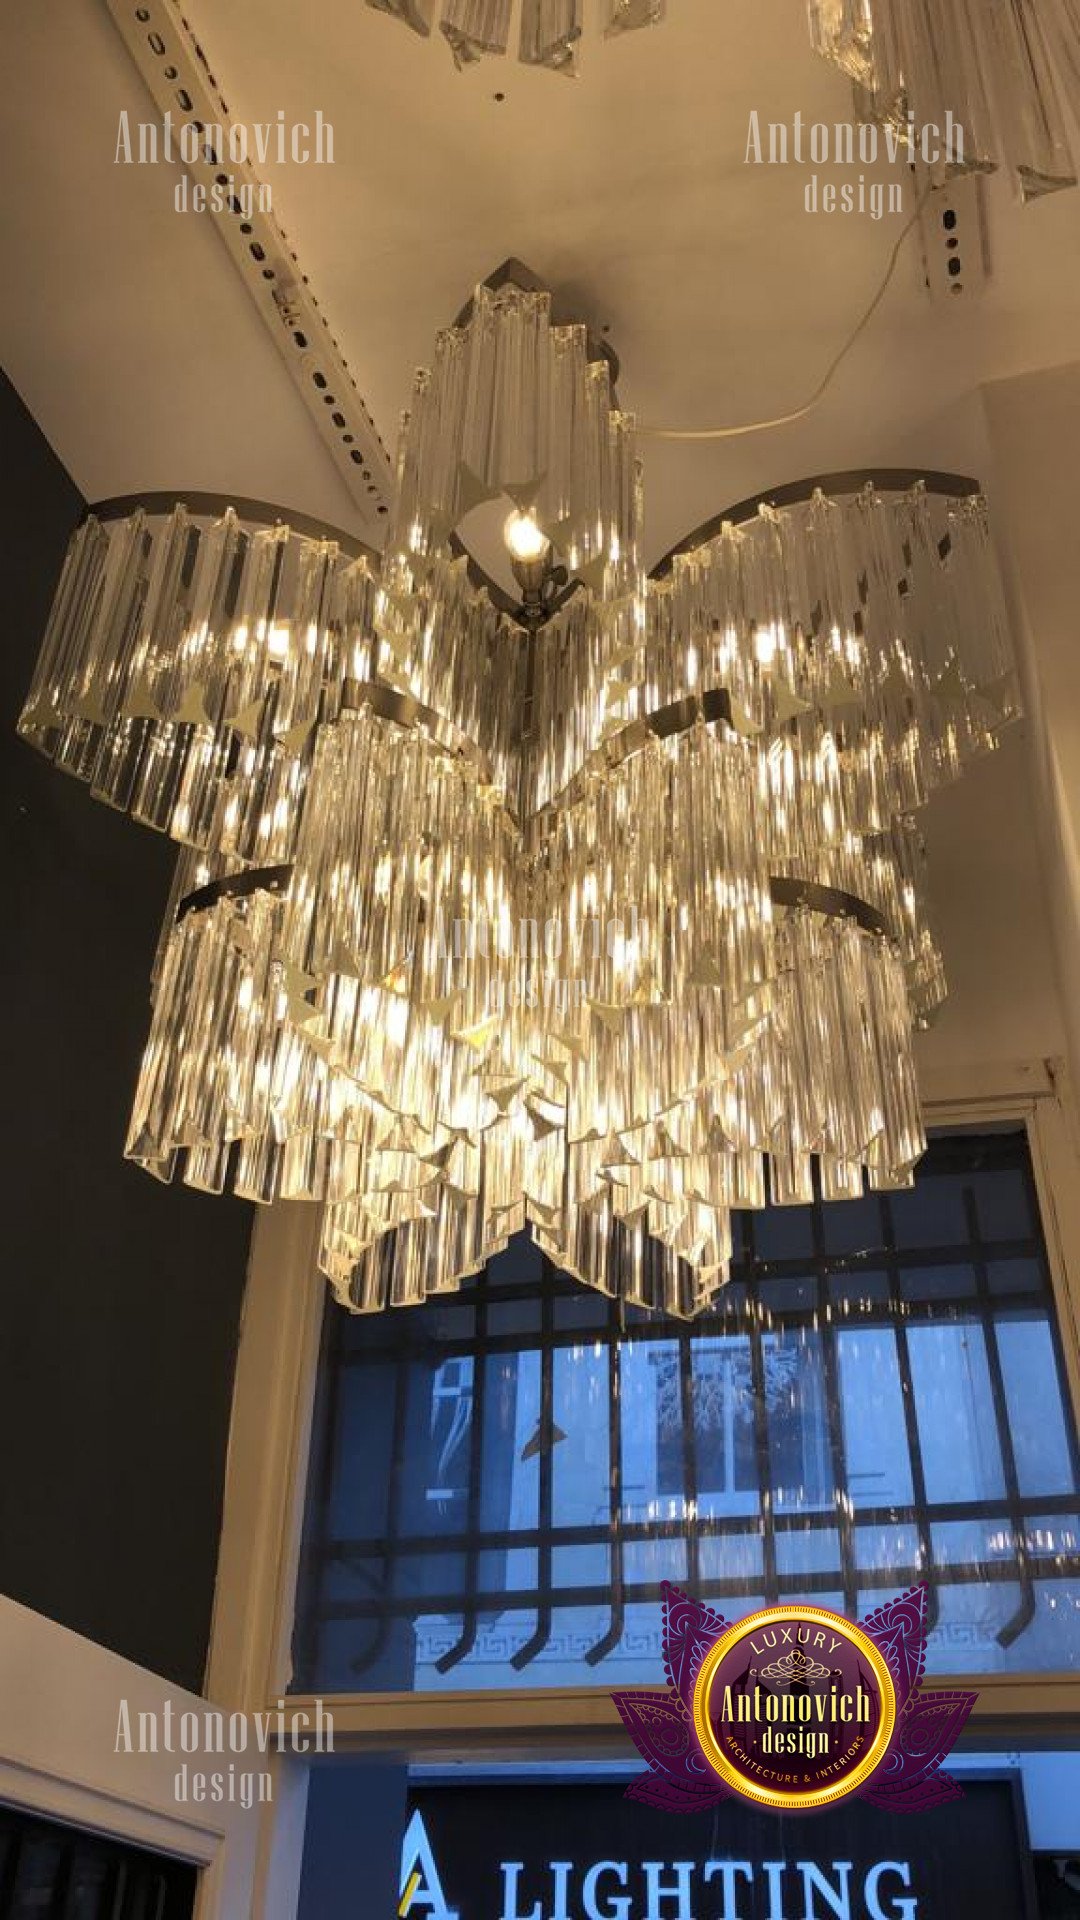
{"x":525,"y":540}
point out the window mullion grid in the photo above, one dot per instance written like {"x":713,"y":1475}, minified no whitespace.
{"x":898,"y":1309}
{"x":1049,"y":1304}
{"x":761,"y":1431}
{"x":473,"y":1506}
{"x":834,"y":1413}
{"x":546,"y":1489}
{"x":713,"y":1526}
{"x":363,"y":1662}
{"x":1025,"y":1612}
{"x":644,"y":1592}
{"x":617,"y":1575}
{"x":314,"y":1554}
{"x":689,"y":1461}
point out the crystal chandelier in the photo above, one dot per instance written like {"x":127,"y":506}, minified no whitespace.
{"x":603,"y":912}
{"x":545,"y":32}
{"x":1007,"y":72}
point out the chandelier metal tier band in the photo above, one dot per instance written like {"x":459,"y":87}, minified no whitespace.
{"x":212,"y":506}
{"x":233,"y":886}
{"x":831,"y":902}
{"x":834,"y":486}
{"x":390,"y":703}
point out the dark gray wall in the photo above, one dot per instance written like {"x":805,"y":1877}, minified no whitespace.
{"x":357,"y":1812}
{"x":119,"y":1298}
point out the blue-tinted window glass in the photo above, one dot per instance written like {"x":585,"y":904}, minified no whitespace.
{"x":877,"y":1453}
{"x":802,"y":1468}
{"x":510,"y":1470}
{"x":958,"y":1433}
{"x":1036,"y":1412}
{"x":581,"y":1437}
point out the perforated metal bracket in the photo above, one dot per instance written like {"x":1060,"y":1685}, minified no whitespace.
{"x":955,"y":234}
{"x":181,"y":81}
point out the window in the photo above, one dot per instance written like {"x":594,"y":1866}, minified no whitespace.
{"x":500,"y":1481}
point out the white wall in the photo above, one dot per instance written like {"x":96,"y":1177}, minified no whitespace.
{"x":993,"y":919}
{"x":61,"y":1698}
{"x":1034,"y":435}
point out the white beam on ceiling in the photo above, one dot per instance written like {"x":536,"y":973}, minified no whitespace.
{"x":181,"y":81}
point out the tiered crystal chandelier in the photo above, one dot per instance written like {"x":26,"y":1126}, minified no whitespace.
{"x":1006,"y":72}
{"x":603,"y":914}
{"x":546,"y":33}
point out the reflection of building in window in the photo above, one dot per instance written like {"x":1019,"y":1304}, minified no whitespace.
{"x":504,"y":1479}
{"x":451,"y":1413}
{"x":722,"y":1399}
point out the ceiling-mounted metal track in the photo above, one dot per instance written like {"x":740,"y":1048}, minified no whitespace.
{"x":180,"y":78}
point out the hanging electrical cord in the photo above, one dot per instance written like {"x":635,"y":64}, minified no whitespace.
{"x":800,"y":413}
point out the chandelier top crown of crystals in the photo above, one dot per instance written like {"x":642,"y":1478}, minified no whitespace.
{"x":605,"y":913}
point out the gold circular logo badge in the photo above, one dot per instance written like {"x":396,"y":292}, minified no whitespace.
{"x":794,"y":1707}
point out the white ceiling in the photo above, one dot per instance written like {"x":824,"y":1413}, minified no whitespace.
{"x":128,"y":332}
{"x":130,"y":335}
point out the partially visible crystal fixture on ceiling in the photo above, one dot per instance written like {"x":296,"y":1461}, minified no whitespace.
{"x":1005,"y":72}
{"x":611,"y":924}
{"x":546,"y":33}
